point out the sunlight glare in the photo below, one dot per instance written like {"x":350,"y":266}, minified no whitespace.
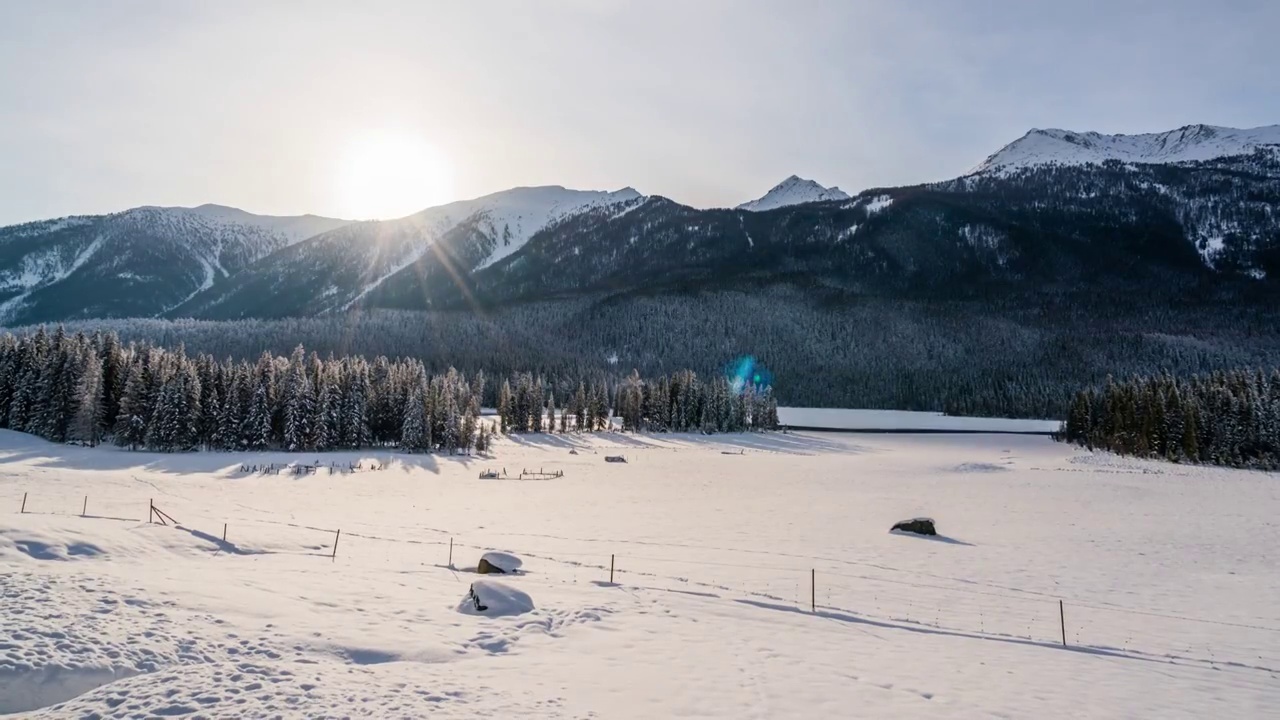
{"x":387,"y":175}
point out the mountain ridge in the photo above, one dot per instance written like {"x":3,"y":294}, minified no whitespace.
{"x":1190,"y":143}
{"x":1032,"y":219}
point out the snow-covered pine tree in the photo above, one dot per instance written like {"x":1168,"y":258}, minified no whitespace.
{"x":413,"y":432}
{"x":505,"y":401}
{"x":88,"y":421}
{"x":580,"y":408}
{"x":299,"y":404}
{"x":255,"y":433}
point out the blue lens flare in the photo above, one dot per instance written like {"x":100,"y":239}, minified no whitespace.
{"x":747,"y":371}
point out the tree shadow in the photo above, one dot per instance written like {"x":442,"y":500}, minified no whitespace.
{"x":18,"y":447}
{"x":730,"y":443}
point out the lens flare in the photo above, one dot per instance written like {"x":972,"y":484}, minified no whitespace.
{"x":747,"y":371}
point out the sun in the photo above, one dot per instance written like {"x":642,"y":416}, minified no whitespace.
{"x":388,"y":175}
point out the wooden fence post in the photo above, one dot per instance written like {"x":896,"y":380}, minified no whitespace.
{"x":450,"y":552}
{"x":24,"y":504}
{"x":1062,"y":617}
{"x":224,"y":533}
{"x":813,"y":590}
{"x":84,"y":510}
{"x":611,"y":559}
{"x":336,"y":536}
{"x":151,"y":509}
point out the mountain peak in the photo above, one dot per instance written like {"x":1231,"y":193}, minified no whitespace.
{"x":793,"y":191}
{"x":1189,"y":143}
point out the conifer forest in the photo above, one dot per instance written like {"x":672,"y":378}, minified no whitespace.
{"x":1225,"y":418}
{"x":90,"y":388}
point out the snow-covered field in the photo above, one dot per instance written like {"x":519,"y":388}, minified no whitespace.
{"x":898,"y":420}
{"x":1168,"y":574}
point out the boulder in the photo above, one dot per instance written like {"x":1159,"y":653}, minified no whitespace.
{"x":498,"y":563}
{"x":919,"y":526}
{"x":494,"y":599}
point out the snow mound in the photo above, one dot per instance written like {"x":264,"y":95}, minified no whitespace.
{"x":1191,"y":143}
{"x":494,"y":599}
{"x":505,"y":562}
{"x":794,"y":191}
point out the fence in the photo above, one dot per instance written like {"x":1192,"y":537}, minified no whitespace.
{"x":833,"y":590}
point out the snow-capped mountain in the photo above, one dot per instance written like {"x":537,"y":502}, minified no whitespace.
{"x":334,"y":270}
{"x":141,"y":261}
{"x":794,"y":191}
{"x":1193,"y":143}
{"x":1197,"y":206}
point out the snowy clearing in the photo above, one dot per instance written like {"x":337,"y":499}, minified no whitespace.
{"x":1167,"y":574}
{"x":894,"y":420}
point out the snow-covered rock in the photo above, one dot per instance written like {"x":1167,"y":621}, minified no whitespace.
{"x":794,"y":191}
{"x":1185,"y":144}
{"x":494,"y":599}
{"x":504,"y":562}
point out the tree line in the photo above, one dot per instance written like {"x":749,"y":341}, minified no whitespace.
{"x":1223,"y":418}
{"x":1008,"y":357}
{"x":90,"y":388}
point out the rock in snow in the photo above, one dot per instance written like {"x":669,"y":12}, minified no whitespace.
{"x":498,"y":563}
{"x":494,"y":599}
{"x":919,"y":526}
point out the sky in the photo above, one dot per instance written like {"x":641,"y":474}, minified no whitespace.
{"x":382,"y":108}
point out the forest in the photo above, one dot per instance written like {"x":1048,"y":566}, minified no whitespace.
{"x":1019,"y":356}
{"x":1224,"y":418}
{"x":90,"y":388}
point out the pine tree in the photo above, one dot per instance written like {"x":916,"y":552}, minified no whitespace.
{"x":87,"y":424}
{"x":413,"y":436}
{"x":299,"y":405}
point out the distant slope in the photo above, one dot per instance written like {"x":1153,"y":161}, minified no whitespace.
{"x":1192,"y":143}
{"x":139,"y":262}
{"x":332,"y":271}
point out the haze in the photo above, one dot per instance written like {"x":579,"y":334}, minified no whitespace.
{"x":379,"y":109}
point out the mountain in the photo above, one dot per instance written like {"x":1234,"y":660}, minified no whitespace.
{"x":1188,"y":211}
{"x":1192,"y":143}
{"x":794,"y":191}
{"x":333,"y":270}
{"x":138,"y":262}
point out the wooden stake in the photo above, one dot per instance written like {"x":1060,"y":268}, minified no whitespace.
{"x":1063,"y":618}
{"x":24,"y":504}
{"x":450,"y":552}
{"x":336,"y":536}
{"x":224,"y":533}
{"x":813,"y":590}
{"x":151,"y":510}
{"x":85,"y":509}
{"x":611,"y":559}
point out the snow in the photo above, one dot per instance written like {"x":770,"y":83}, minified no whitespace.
{"x":1167,"y":574}
{"x":1186,"y":144}
{"x":794,"y":191}
{"x":505,"y":562}
{"x":294,"y":228}
{"x":881,"y":420}
{"x":491,"y":598}
{"x":509,"y":217}
{"x":525,"y":211}
{"x":878,"y":203}
{"x":49,"y":273}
